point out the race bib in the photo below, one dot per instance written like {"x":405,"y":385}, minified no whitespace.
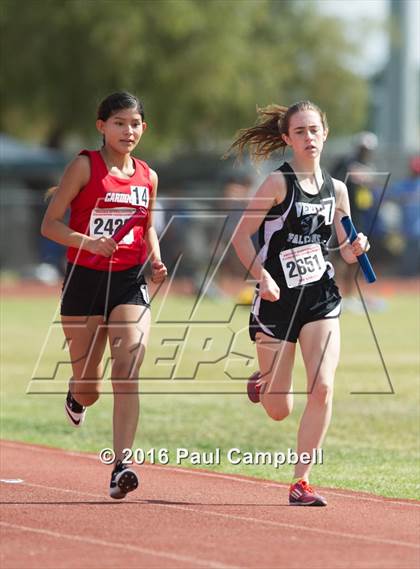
{"x":303,"y":265}
{"x":104,"y":222}
{"x":140,"y":195}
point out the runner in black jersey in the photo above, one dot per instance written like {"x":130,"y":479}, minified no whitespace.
{"x":296,"y":297}
{"x":293,"y":238}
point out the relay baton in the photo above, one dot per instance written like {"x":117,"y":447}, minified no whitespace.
{"x":122,"y":231}
{"x":363,"y":259}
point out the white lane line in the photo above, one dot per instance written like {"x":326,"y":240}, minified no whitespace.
{"x":298,"y":527}
{"x":248,"y":519}
{"x":103,"y":496}
{"x":266,"y":483}
{"x":194,"y":472}
{"x":125,"y":547}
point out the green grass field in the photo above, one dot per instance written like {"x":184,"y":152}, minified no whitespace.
{"x":373,"y":441}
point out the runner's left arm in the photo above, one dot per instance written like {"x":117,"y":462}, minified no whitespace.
{"x":349,"y":252}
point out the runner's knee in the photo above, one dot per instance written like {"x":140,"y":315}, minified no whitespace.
{"x":121,"y":386}
{"x":125,"y":369}
{"x":278,"y":411}
{"x":87,"y":399}
{"x":84,"y":393}
{"x":321,"y":394}
{"x":125,"y":376}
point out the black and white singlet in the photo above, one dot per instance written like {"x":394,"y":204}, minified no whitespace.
{"x":294,"y":234}
{"x":293,"y":241}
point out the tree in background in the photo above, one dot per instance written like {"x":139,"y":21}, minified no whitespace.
{"x":200,"y":67}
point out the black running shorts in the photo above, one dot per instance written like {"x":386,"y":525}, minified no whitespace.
{"x":285,"y":318}
{"x":87,"y":292}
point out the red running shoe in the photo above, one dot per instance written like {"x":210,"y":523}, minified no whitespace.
{"x":253,"y":389}
{"x":301,"y":494}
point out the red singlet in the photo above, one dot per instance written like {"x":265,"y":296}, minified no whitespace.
{"x":103,"y":205}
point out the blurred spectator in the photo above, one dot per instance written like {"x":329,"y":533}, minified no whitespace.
{"x":183,"y":237}
{"x":406,"y":194}
{"x":357,"y":171}
{"x":236,"y":191}
{"x":197,"y":235}
{"x":159,"y":217}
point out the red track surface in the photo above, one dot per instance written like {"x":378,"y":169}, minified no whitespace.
{"x":60,"y":516}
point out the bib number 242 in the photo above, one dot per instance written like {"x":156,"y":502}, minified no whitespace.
{"x":105,"y":222}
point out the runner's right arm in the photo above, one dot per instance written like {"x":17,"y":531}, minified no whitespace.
{"x":270,"y":193}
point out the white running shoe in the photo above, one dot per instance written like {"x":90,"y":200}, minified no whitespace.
{"x":74,"y":411}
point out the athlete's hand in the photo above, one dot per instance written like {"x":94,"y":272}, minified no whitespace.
{"x":104,"y":246}
{"x":360,"y":245}
{"x":269,"y":289}
{"x":159,"y":272}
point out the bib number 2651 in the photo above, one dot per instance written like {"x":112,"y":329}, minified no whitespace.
{"x":302,"y":265}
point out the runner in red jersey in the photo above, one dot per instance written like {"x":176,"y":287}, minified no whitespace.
{"x":105,"y":294}
{"x":105,"y":203}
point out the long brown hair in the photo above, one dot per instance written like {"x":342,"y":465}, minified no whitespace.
{"x":265,"y":137}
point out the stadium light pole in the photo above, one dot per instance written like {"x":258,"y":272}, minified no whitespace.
{"x":400,"y":117}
